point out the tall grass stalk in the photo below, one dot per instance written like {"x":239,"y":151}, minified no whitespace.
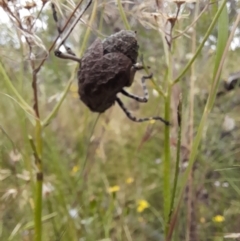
{"x":205,"y":38}
{"x":88,"y":31}
{"x":168,"y":203}
{"x":178,"y":151}
{"x":167,"y":155}
{"x":190,"y":207}
{"x":221,"y":13}
{"x":38,"y":151}
{"x":10,"y":86}
{"x":123,"y":15}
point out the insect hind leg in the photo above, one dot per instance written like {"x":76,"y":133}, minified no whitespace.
{"x":133,"y":118}
{"x":143,"y":99}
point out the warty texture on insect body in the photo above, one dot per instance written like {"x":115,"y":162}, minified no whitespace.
{"x":124,"y":42}
{"x":106,"y":68}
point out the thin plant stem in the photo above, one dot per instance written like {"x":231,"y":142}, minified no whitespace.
{"x":8,"y":137}
{"x":100,"y":26}
{"x":84,"y":171}
{"x":210,"y":100}
{"x":190,"y":207}
{"x":55,"y":41}
{"x":167,"y":149}
{"x":38,"y":208}
{"x":35,"y":90}
{"x":173,"y":221}
{"x":176,"y":174}
{"x":123,"y":15}
{"x":87,"y":34}
{"x":72,"y":26}
{"x":156,"y":86}
{"x":58,"y":105}
{"x":38,"y":136}
{"x":37,"y":152}
{"x":167,"y":161}
{"x":38,"y":194}
{"x":200,"y":46}
{"x":193,"y":23}
{"x":13,"y":89}
{"x":64,"y":94}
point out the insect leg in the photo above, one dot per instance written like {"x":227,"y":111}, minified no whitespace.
{"x":69,"y":54}
{"x":62,"y":55}
{"x":145,"y":91}
{"x":133,"y":118}
{"x":58,"y":53}
{"x":133,"y":70}
{"x":72,"y":26}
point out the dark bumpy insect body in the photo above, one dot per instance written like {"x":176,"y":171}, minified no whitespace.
{"x":106,"y":68}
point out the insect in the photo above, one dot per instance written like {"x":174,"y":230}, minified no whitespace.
{"x":105,"y":69}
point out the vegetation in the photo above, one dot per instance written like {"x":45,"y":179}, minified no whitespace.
{"x":69,"y":174}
